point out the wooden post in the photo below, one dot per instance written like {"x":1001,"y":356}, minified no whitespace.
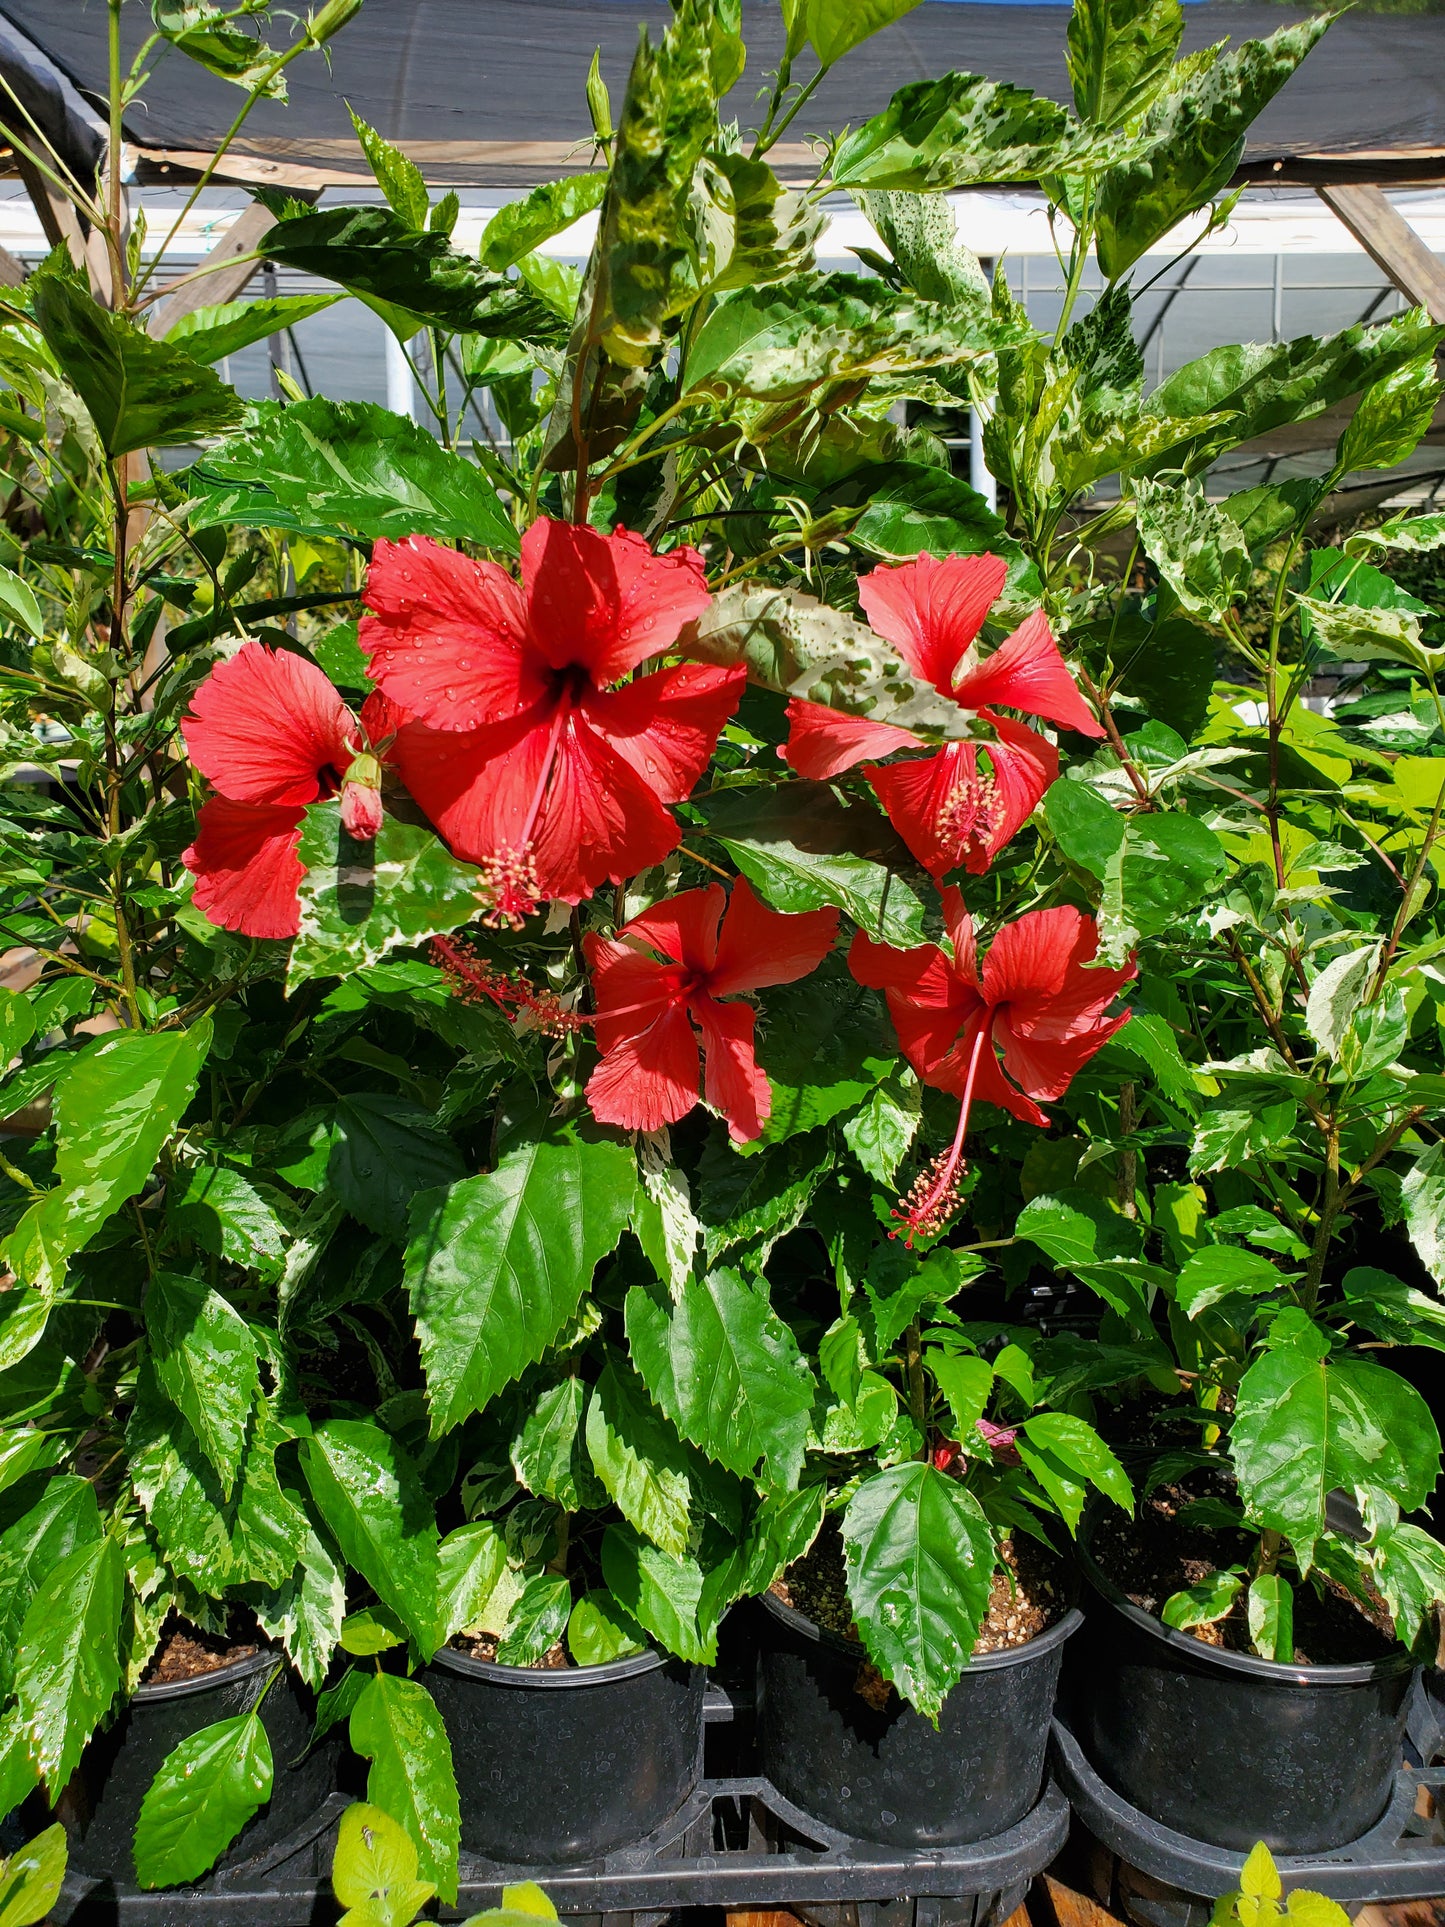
{"x":1392,"y":244}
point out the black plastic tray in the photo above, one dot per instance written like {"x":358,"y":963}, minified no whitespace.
{"x":735,"y":1844}
{"x":1402,"y":1857}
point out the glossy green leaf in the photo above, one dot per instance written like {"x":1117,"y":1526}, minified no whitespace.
{"x":360,"y":900}
{"x":374,"y":1870}
{"x":384,"y":1150}
{"x":882,"y":1132}
{"x":396,"y":1725}
{"x":752,"y":1202}
{"x":537,"y":1621}
{"x":661,"y":1593}
{"x":115,"y":1107}
{"x":836,"y":27}
{"x":1422,"y":1195}
{"x":1075,"y":1443}
{"x":373,"y":253}
{"x":960,"y":131}
{"x":520,"y":226}
{"x":777,"y":342}
{"x":497,"y":1264}
{"x":68,"y":1667}
{"x":1191,"y":140}
{"x":370,"y":1495}
{"x":1224,"y":1271}
{"x":639,"y":1459}
{"x":910,"y":510}
{"x":225,"y":1214}
{"x":31,"y":1879}
{"x":329,"y":465}
{"x":1198,"y":549}
{"x":139,"y":393}
{"x":920,"y":1558}
{"x":470,"y":1563}
{"x":206,"y":1362}
{"x":18,"y":602}
{"x":23,"y":1318}
{"x":1408,"y":1565}
{"x":726,"y":1370}
{"x":305,"y":1612}
{"x":805,"y":851}
{"x":599,"y":1631}
{"x":966,"y":1383}
{"x":1392,"y":416}
{"x":206,"y":1790}
{"x":63,"y":1518}
{"x":1120,"y":52}
{"x":209,"y":334}
{"x":399,"y":179}
{"x":205,"y":34}
{"x":1203,"y":1603}
{"x":1271,"y":1617}
{"x":548,"y":1452}
{"x":1388,"y":1308}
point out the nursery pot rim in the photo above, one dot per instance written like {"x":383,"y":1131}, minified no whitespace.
{"x":551,"y":1677}
{"x":1043,"y":1642}
{"x":1355,"y":1672}
{"x":170,"y":1689}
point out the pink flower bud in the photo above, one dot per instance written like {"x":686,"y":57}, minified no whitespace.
{"x":361,"y":811}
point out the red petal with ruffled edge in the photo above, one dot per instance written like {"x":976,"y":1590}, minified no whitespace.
{"x":381,"y":718}
{"x":246,"y":868}
{"x":928,"y":1000}
{"x":600,"y":823}
{"x":733,"y":1083}
{"x":649,"y":1070}
{"x":605,"y":603}
{"x":760,"y":946}
{"x":823,"y":742}
{"x":1051,"y":1009}
{"x":931,"y":610}
{"x":447,"y":637}
{"x":266,"y":726}
{"x":1027,"y":672}
{"x":683,"y":927}
{"x":666,"y":725}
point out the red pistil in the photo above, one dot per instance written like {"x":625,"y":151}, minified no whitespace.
{"x":934,"y":1197}
{"x":475,"y":979}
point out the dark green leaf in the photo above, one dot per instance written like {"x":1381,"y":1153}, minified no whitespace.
{"x":519,"y":226}
{"x":660,"y":1593}
{"x":1390,"y":1309}
{"x":370,"y":1495}
{"x":68,"y":1667}
{"x":399,"y":179}
{"x":752,"y":1202}
{"x":227,"y":1215}
{"x":384,"y":1150}
{"x":396,"y":1725}
{"x":498,"y":1264}
{"x":920,"y":1565}
{"x":206,"y":1790}
{"x":208,"y":335}
{"x":207,"y":35}
{"x":206,"y":1362}
{"x":140,"y":393}
{"x":726,"y":1370}
{"x":537,"y":1621}
{"x":1224,"y":1271}
{"x":548,"y":1452}
{"x":639,"y":1458}
{"x":349,"y":465}
{"x":1119,"y":54}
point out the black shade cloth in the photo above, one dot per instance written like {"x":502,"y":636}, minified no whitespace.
{"x":432,"y":74}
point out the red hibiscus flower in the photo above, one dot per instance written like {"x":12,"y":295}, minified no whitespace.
{"x":947,"y":807}
{"x":647,"y":1005}
{"x":272,"y":735}
{"x":530,"y":751}
{"x":1012,"y":1034}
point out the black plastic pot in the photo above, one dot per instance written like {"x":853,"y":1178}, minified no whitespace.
{"x":1227,"y":1748}
{"x":886,"y":1774}
{"x":101,"y":1803}
{"x":556,"y":1768}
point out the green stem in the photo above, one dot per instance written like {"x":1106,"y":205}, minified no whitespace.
{"x":917,"y":1386}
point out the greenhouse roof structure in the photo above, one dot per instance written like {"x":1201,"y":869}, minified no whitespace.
{"x":490,"y":92}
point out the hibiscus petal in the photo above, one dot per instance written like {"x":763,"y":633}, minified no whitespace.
{"x":683,"y":927}
{"x":733,"y":1083}
{"x":823,"y":742}
{"x":1045,"y":1067}
{"x":381,"y":718}
{"x":648,"y":1079}
{"x":667,"y":725}
{"x":600,"y":823}
{"x":1024,"y":765}
{"x":632,"y":989}
{"x":959,"y":925}
{"x":476,"y":785}
{"x":929,"y":1001}
{"x":931,"y":610}
{"x":1030,"y":959}
{"x":265,"y":726}
{"x":1027,"y":672}
{"x":760,"y":946}
{"x":246,"y":868}
{"x":605,"y":602}
{"x":447,"y":637}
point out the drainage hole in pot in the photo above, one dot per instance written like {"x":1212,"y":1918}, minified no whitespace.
{"x":1167,"y":1547}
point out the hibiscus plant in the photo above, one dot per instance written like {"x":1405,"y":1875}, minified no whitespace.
{"x":587,"y":995}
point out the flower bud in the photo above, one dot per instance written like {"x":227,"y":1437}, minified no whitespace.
{"x":361,"y":798}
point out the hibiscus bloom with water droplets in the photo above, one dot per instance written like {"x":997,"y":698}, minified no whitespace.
{"x":948,"y":807}
{"x":535,"y":748}
{"x":272,"y":735}
{"x":1013,"y":1034}
{"x":663,"y":974}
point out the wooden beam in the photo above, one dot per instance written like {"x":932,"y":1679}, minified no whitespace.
{"x":60,"y":223}
{"x":223,"y":276}
{"x":1392,"y":244}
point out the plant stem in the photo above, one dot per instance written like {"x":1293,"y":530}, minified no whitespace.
{"x":917,"y":1386}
